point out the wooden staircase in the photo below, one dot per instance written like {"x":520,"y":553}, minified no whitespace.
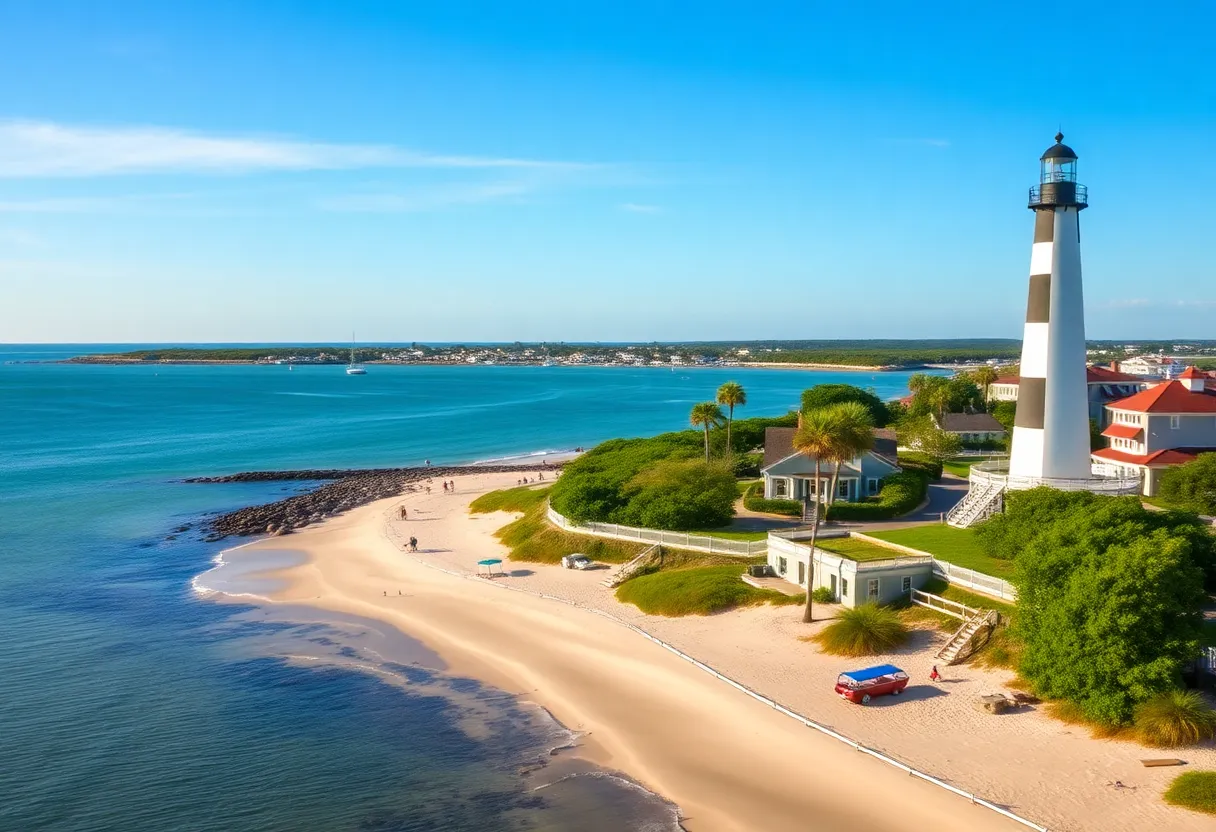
{"x":981,"y":502}
{"x":627,"y":570}
{"x":961,"y":641}
{"x":810,"y":511}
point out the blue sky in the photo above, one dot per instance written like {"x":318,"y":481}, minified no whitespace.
{"x":279,"y":171}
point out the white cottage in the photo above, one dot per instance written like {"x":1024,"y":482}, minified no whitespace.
{"x":789,"y":474}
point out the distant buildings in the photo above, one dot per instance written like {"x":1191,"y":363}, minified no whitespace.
{"x":971,"y":427}
{"x":1167,"y":424}
{"x":1103,"y":386}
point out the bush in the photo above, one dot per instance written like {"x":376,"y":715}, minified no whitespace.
{"x":748,"y":434}
{"x":509,"y":499}
{"x":1175,"y":718}
{"x":823,"y":595}
{"x":1109,"y":599}
{"x":1191,"y":487}
{"x":679,"y":495}
{"x":865,"y":630}
{"x":747,"y":465}
{"x":986,"y":445}
{"x":1194,"y":790}
{"x":754,"y":501}
{"x":916,"y":461}
{"x":901,"y":492}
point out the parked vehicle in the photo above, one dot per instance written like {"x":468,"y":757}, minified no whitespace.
{"x":860,"y":685}
{"x":576,"y":561}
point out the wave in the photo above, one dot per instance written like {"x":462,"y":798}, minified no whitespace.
{"x":503,"y":460}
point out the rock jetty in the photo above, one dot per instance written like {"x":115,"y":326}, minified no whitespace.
{"x":348,"y":489}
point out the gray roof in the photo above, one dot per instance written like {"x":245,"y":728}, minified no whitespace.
{"x":969,"y":423}
{"x":779,"y":443}
{"x":1059,"y":150}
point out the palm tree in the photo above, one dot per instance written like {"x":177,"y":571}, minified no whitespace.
{"x":853,"y":429}
{"x":706,"y":415}
{"x":732,"y":395}
{"x":815,"y":437}
{"x":984,"y":376}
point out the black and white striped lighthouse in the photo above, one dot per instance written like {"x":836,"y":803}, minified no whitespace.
{"x":1051,"y":427}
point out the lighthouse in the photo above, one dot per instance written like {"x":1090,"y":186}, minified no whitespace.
{"x":1051,"y":425}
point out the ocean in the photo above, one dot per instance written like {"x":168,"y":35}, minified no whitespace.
{"x":129,"y":702}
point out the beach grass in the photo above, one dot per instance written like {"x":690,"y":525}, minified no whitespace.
{"x":864,"y":630}
{"x":522,"y":498}
{"x":698,"y":590}
{"x":958,"y":546}
{"x":1195,"y":790}
{"x":1175,"y":718}
{"x":858,"y":550}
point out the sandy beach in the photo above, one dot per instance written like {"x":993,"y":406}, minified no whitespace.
{"x":728,"y":761}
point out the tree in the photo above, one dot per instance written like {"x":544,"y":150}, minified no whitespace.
{"x":1191,"y":487}
{"x":854,"y":435}
{"x":1109,"y":604}
{"x":923,"y":434}
{"x":826,"y":395}
{"x":706,"y":415}
{"x":732,"y":395}
{"x":983,"y":377}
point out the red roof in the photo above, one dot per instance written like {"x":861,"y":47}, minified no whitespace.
{"x":1104,"y":375}
{"x":1007,"y":380}
{"x":1171,"y":397}
{"x":1193,"y":372}
{"x":1172,"y":456}
{"x":1122,"y":431}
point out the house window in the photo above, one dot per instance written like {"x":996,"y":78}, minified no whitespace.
{"x":872,"y":485}
{"x":801,"y":573}
{"x":872,"y":589}
{"x":1175,"y":422}
{"x":782,"y":566}
{"x":778,"y":488}
{"x":844,"y":587}
{"x":905,"y":584}
{"x":842,"y":490}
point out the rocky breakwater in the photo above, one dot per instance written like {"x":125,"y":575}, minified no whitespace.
{"x":348,"y":489}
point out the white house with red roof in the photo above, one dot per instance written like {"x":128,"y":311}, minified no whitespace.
{"x":1103,"y":384}
{"x":1168,"y":424}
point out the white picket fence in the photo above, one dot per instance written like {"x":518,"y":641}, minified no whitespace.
{"x":970,"y":579}
{"x":678,"y":540}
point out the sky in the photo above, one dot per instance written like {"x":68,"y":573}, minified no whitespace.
{"x":298,"y":171}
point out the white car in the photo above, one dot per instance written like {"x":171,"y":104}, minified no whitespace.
{"x":576,"y":561}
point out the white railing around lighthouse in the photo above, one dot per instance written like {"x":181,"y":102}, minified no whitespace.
{"x":1105,"y":479}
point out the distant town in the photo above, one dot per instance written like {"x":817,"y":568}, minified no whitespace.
{"x":856,"y":354}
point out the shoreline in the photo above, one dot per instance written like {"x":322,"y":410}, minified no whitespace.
{"x":641,"y":709}
{"x":107,"y":361}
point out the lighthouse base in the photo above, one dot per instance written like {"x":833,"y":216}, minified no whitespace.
{"x":991,"y":480}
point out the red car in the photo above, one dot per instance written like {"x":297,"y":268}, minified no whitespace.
{"x":859,"y":685}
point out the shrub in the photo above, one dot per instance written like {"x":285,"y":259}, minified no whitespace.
{"x":865,"y":630}
{"x":747,"y":465}
{"x":1175,"y":718}
{"x":754,"y":501}
{"x":679,"y":495}
{"x":1108,"y":600}
{"x":1191,"y":487}
{"x":823,"y":595}
{"x":916,"y":461}
{"x":901,"y":492}
{"x":1194,"y":790}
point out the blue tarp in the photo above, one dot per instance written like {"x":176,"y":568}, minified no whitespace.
{"x":872,"y":672}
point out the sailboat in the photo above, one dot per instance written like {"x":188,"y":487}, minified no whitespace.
{"x":353,"y":369}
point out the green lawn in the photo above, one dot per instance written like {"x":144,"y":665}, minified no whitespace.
{"x":958,"y":546}
{"x":961,"y":466}
{"x":509,"y":499}
{"x":732,"y":534}
{"x":859,"y":550}
{"x":696,"y":591}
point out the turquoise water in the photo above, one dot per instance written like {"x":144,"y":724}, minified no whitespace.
{"x":129,"y":703}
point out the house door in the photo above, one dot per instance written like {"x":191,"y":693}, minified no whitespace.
{"x":832,"y":581}
{"x":801,"y":573}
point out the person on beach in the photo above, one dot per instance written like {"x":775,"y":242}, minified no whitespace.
{"x":404,"y":514}
{"x":413,"y":544}
{"x":934,"y":676}
{"x":428,"y":463}
{"x":428,"y":489}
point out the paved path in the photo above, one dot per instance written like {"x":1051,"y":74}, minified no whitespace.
{"x":944,"y":494}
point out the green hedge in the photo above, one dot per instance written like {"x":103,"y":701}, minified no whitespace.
{"x":753,"y":500}
{"x":901,"y":493}
{"x":916,"y":461}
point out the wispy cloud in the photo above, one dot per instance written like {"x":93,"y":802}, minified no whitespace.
{"x":637,"y":208}
{"x":88,"y":204}
{"x":424,"y":198}
{"x":47,"y":149}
